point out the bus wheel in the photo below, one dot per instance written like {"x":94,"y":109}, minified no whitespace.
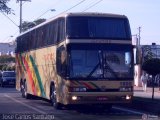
{"x":24,"y":90}
{"x":53,"y":98}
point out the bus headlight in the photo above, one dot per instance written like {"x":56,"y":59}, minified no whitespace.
{"x":78,"y":89}
{"x":74,"y":98}
{"x":128,"y":97}
{"x":125,"y":89}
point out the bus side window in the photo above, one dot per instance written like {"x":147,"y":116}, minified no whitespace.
{"x":61,"y":61}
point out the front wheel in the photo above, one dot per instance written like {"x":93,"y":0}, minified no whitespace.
{"x":53,"y":98}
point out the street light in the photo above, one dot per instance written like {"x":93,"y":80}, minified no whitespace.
{"x":8,"y":38}
{"x":52,"y":10}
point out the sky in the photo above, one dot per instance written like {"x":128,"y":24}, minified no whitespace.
{"x":141,"y":13}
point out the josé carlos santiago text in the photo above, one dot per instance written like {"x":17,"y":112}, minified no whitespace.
{"x":26,"y":117}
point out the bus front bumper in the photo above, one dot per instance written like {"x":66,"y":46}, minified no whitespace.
{"x":102,"y":98}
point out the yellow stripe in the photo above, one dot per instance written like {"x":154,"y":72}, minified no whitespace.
{"x":33,"y":76}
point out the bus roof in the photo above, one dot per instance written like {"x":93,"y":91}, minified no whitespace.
{"x":95,"y":14}
{"x":91,"y":14}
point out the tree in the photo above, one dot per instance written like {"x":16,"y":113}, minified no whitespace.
{"x":27,"y":25}
{"x":6,"y":59}
{"x":7,"y":62}
{"x":152,"y":67}
{"x":4,"y":8}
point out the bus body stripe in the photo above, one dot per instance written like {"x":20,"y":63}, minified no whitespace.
{"x":87,"y":85}
{"x":30,"y":76}
{"x":38,"y":92}
{"x":94,"y":85}
{"x":21,"y":61}
{"x":38,"y":76}
{"x":90,"y":85}
{"x":75,"y":83}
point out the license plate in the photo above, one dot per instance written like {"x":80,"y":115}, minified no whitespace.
{"x":102,"y":98}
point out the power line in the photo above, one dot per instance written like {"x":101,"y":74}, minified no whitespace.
{"x":89,"y":3}
{"x":92,"y":5}
{"x":49,"y":8}
{"x":10,"y":19}
{"x":46,"y":12}
{"x":72,"y":7}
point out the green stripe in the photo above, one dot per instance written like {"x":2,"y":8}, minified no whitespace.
{"x":94,"y":85}
{"x":38,"y":76}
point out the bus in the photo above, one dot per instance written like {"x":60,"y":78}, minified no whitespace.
{"x":77,"y":59}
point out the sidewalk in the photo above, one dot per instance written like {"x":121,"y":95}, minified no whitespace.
{"x":143,"y":100}
{"x":138,"y":92}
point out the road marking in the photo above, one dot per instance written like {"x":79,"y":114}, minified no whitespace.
{"x":136,"y":112}
{"x":33,"y":108}
{"x":132,"y":111}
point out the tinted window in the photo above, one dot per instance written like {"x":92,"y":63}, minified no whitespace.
{"x":48,"y":34}
{"x":98,"y":27}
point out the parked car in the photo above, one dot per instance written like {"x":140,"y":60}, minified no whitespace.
{"x":0,"y":77}
{"x":8,"y":78}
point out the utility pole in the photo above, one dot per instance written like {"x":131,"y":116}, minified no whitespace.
{"x":139,"y":35}
{"x":20,"y":20}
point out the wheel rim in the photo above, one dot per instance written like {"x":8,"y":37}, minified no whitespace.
{"x":25,"y":89}
{"x":22,"y":90}
{"x":53,"y":97}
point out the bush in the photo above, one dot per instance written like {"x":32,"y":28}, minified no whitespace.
{"x":152,"y":66}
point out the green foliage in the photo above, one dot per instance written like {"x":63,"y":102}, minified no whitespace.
{"x":27,"y":25}
{"x":4,"y":7}
{"x":6,"y":59}
{"x":152,"y":66}
{"x":7,"y":62}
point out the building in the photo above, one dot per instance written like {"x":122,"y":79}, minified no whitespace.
{"x":7,"y":48}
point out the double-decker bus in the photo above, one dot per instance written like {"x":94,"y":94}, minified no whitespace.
{"x":77,"y":58}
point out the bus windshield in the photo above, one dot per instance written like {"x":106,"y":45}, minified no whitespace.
{"x":98,"y":28}
{"x":111,"y":63}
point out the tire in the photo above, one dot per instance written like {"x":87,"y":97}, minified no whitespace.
{"x":24,"y":90}
{"x":53,"y":99}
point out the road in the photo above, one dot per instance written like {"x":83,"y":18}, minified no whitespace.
{"x":12,"y":105}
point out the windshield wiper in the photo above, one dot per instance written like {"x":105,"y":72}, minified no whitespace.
{"x":99,"y":64}
{"x":107,"y":68}
{"x":103,"y":65}
{"x":94,"y":69}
